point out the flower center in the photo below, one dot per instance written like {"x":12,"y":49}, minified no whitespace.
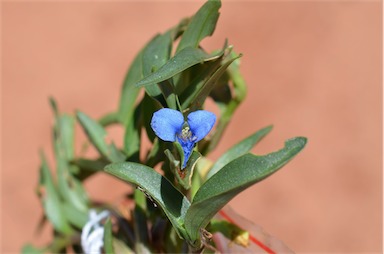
{"x":186,"y":134}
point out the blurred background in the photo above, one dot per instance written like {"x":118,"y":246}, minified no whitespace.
{"x":313,"y":69}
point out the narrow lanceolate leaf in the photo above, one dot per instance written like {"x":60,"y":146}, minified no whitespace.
{"x":132,"y":134}
{"x":74,"y":215}
{"x":30,"y":249}
{"x":174,"y":204}
{"x":208,"y":86}
{"x":202,"y":25}
{"x":155,"y":55}
{"x":64,"y":131}
{"x":190,"y":81}
{"x":233,"y":178}
{"x":53,"y":105}
{"x":65,"y":127}
{"x":181,"y":61}
{"x":96,"y":135}
{"x":70,"y":188}
{"x":238,"y":150}
{"x":95,"y":132}
{"x":129,"y":91}
{"x":183,"y":176}
{"x":85,"y":167}
{"x":51,"y":200}
{"x":108,"y":238}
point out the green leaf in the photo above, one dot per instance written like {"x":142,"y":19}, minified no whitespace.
{"x":54,"y":107}
{"x":206,"y":89}
{"x":30,"y":249}
{"x":238,"y":150}
{"x":108,"y":238}
{"x":181,"y":61}
{"x":74,"y":215}
{"x":149,"y":106}
{"x":66,"y":132}
{"x":202,"y":25}
{"x":203,"y":165}
{"x":155,"y":55}
{"x":133,"y":133}
{"x":168,"y":90}
{"x":96,"y":135}
{"x":69,"y":187}
{"x":233,"y":178}
{"x":140,"y":222}
{"x":190,"y":81}
{"x":85,"y":167}
{"x":135,"y":73}
{"x":156,"y":154}
{"x":114,"y":153}
{"x":183,"y":176}
{"x":221,"y":93}
{"x":174,"y":204}
{"x":186,"y":179}
{"x":239,"y":93}
{"x":180,"y":153}
{"x":51,"y":200}
{"x":109,"y":119}
{"x":120,"y":247}
{"x":129,"y":92}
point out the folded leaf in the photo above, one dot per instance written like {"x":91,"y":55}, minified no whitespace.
{"x":74,"y":215}
{"x":155,"y":55}
{"x":183,"y":176}
{"x":30,"y":249}
{"x":70,"y":188}
{"x":208,"y":86}
{"x":227,"y":110}
{"x":202,"y":25}
{"x":190,"y":81}
{"x":238,"y":150}
{"x":65,"y":134}
{"x":181,"y":61}
{"x":132,"y":135}
{"x":96,"y":135}
{"x":129,"y":91}
{"x":51,"y":200}
{"x":174,"y":203}
{"x":233,"y":178}
{"x":108,"y":238}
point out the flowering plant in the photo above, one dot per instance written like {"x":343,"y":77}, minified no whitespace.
{"x":174,"y":210}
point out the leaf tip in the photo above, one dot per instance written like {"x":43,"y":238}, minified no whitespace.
{"x":269,"y":128}
{"x":107,"y":168}
{"x":297,"y":142}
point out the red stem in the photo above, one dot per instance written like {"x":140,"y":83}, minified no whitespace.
{"x":251,"y":237}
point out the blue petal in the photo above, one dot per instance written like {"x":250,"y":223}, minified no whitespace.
{"x":201,"y":122}
{"x":187,"y":146}
{"x":166,"y":123}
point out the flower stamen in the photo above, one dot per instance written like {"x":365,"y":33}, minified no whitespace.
{"x":186,"y":134}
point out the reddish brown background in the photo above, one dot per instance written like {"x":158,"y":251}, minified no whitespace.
{"x":313,"y":69}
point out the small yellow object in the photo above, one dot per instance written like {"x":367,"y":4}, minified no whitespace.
{"x":242,"y":239}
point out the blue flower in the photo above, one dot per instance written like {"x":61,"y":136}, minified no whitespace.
{"x":169,"y":125}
